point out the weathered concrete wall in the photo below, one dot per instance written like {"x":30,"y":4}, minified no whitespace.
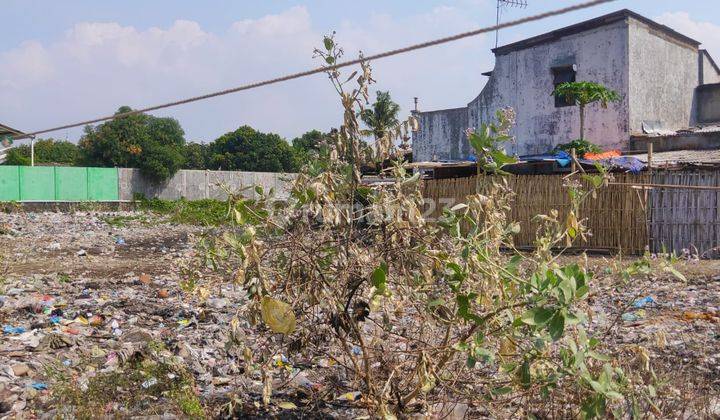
{"x":663,"y":78}
{"x":655,"y":71}
{"x":524,"y":80}
{"x":441,"y":135}
{"x":708,"y":103}
{"x":708,"y":72}
{"x":198,"y":185}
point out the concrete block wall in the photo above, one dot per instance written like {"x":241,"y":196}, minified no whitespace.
{"x":708,"y":107}
{"x":199,"y":185}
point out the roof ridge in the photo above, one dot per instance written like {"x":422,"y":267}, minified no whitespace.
{"x":588,"y":25}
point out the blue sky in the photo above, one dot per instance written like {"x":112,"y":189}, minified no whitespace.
{"x":63,"y":61}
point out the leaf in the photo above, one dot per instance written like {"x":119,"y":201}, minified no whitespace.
{"x":537,"y":316}
{"x":351,"y":76}
{"x":436,"y":302}
{"x":501,"y":391}
{"x":278,"y":315}
{"x":557,"y":326}
{"x":670,"y":269}
{"x":567,"y":287}
{"x":501,"y":159}
{"x":525,"y":374}
{"x":287,"y":405}
{"x":598,"y":356}
{"x":379,"y":279}
{"x":458,"y":207}
{"x":413,"y":179}
{"x":330,"y":60}
{"x":329,"y":43}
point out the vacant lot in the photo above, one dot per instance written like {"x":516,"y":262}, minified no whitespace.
{"x":96,"y":320}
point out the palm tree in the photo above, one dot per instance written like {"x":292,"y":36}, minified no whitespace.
{"x":584,"y":93}
{"x":382,"y":117}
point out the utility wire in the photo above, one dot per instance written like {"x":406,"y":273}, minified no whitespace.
{"x":322,"y":69}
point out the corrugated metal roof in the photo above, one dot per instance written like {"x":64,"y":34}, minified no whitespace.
{"x":679,"y":157}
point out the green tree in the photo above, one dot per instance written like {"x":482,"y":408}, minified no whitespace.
{"x":152,"y":144}
{"x":17,"y":156}
{"x":383,"y":116}
{"x":246,"y":149}
{"x":47,"y":151}
{"x":195,"y":156}
{"x":309,"y":146}
{"x":583,"y":94}
{"x":309,"y":141}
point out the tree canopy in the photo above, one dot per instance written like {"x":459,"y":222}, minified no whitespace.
{"x":383,"y":115}
{"x":152,"y":144}
{"x":247,"y":149}
{"x":196,"y":155}
{"x":583,"y":94}
{"x":47,"y":151}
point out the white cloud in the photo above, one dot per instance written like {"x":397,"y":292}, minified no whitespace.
{"x":28,"y":65}
{"x":705,"y":32}
{"x":98,"y":66}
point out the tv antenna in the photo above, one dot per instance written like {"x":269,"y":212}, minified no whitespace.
{"x":506,"y":3}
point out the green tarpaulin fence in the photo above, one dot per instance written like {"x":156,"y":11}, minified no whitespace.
{"x":56,"y":183}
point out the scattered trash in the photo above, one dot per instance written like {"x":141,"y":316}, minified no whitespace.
{"x":218,"y":303}
{"x":287,"y":405}
{"x":641,"y":303}
{"x":9,"y":329}
{"x":109,"y":314}
{"x":120,"y":241}
{"x":163,"y":293}
{"x":350,"y":396}
{"x":632,"y":316}
{"x":705,"y":316}
{"x":20,"y":369}
{"x":150,"y":382}
{"x":81,"y":253}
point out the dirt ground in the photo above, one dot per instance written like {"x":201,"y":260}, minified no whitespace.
{"x":78,"y":290}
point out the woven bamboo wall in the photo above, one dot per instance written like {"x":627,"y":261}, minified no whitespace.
{"x":685,"y":218}
{"x":616,"y":218}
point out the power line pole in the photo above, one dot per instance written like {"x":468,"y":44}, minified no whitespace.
{"x":506,"y":3}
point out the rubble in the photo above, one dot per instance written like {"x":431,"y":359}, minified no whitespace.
{"x":90,"y":315}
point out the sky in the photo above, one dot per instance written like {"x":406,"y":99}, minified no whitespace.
{"x":73,"y":60}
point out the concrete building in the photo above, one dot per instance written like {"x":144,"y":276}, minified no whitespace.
{"x":660,"y":74}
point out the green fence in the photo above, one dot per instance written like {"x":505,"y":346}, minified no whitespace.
{"x":56,"y":183}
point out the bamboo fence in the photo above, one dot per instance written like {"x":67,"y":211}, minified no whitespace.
{"x":617,"y":217}
{"x":685,"y":218}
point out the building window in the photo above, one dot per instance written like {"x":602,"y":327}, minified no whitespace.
{"x":563,"y":75}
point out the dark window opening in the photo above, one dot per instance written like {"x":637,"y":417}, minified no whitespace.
{"x":563,"y":75}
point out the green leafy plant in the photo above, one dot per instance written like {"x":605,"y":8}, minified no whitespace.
{"x":581,"y":147}
{"x":414,"y":311}
{"x":487,"y":142}
{"x":583,"y":94}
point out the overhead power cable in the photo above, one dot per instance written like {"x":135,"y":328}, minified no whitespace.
{"x":322,"y":69}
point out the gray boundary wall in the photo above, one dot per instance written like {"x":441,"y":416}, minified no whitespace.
{"x":199,"y":185}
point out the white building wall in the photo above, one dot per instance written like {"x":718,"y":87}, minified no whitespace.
{"x":524,"y":80}
{"x":708,"y":73}
{"x":663,"y":78}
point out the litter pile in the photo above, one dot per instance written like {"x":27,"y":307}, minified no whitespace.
{"x":86,"y":296}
